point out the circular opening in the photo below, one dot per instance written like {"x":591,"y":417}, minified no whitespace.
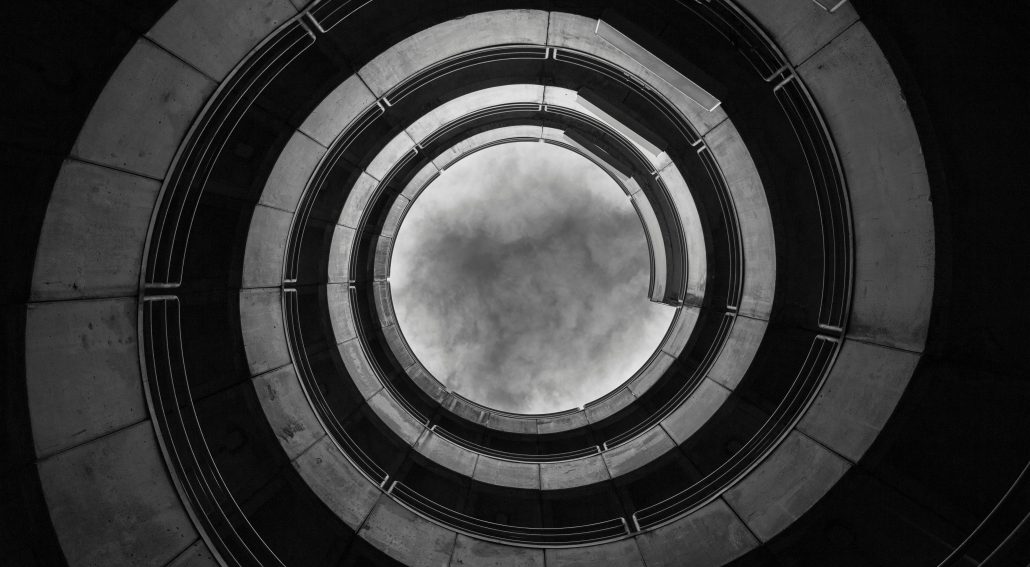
{"x":520,"y":280}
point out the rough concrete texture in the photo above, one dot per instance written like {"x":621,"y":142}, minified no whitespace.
{"x":394,"y":216}
{"x":511,"y":424}
{"x":797,"y":474}
{"x":471,"y":102}
{"x":695,"y":411}
{"x":214,"y":35}
{"x":559,"y":423}
{"x":445,"y":453}
{"x":398,"y":346}
{"x":287,"y":410}
{"x":196,"y":555}
{"x":748,"y":194}
{"x":420,"y":181}
{"x":111,"y":502}
{"x":611,"y":405}
{"x":738,"y":352}
{"x":578,"y":33}
{"x":337,"y":110}
{"x":337,"y":482}
{"x":800,"y":28}
{"x":693,"y":233}
{"x":507,"y":473}
{"x":680,"y":330}
{"x":338,"y":299}
{"x":469,"y":145}
{"x":357,"y":200}
{"x":143,"y":112}
{"x":395,"y":149}
{"x":406,"y":537}
{"x":623,"y":553}
{"x":655,"y":244}
{"x":890,"y":193}
{"x":381,"y":263}
{"x":82,"y":371}
{"x":384,"y":303}
{"x":264,"y":340}
{"x":266,"y":247}
{"x":478,"y":553}
{"x":291,"y":172}
{"x":570,"y":474}
{"x":638,"y":452}
{"x":429,"y":384}
{"x":708,"y":537}
{"x":361,"y":373}
{"x":858,"y":397}
{"x":339,"y":258}
{"x":650,"y":374}
{"x":464,"y":408}
{"x":91,"y":244}
{"x":396,"y":416}
{"x":449,"y":38}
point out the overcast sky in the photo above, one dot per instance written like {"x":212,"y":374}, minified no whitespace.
{"x":520,"y":280}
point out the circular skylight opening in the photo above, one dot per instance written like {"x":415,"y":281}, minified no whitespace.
{"x":520,"y":280}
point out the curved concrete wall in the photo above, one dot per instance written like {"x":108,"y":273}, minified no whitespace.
{"x":126,"y":147}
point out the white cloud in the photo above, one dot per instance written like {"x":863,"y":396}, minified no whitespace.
{"x":520,"y":280}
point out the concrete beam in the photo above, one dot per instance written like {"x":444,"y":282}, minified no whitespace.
{"x":91,"y":243}
{"x":338,"y":299}
{"x":214,"y":35}
{"x":478,"y":553}
{"x":446,"y":453}
{"x":611,"y":405}
{"x":738,"y":352}
{"x":695,"y":411}
{"x":196,"y":555}
{"x":82,"y":371}
{"x":623,"y":553}
{"x":571,"y":474}
{"x":638,"y":452}
{"x":859,"y":395}
{"x":801,"y":27}
{"x":681,"y":330}
{"x":143,"y":113}
{"x":507,"y":473}
{"x":112,"y":503}
{"x":266,"y":247}
{"x":879,"y":150}
{"x":427,"y":47}
{"x":789,"y":482}
{"x":290,"y":174}
{"x":650,"y":374}
{"x":337,"y":110}
{"x":578,"y":33}
{"x":396,"y":416}
{"x":693,"y":234}
{"x":264,"y":339}
{"x":339,"y":257}
{"x":406,"y":537}
{"x":287,"y":410}
{"x":361,"y":373}
{"x":754,"y":219}
{"x":337,"y":482}
{"x":712,"y":536}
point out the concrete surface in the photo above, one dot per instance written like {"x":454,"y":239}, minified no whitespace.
{"x":859,"y":395}
{"x":478,"y":553}
{"x":738,"y":352}
{"x":443,"y":452}
{"x":337,"y":110}
{"x":709,"y":536}
{"x":570,"y":474}
{"x":112,"y":503}
{"x":789,"y":482}
{"x":266,"y":247}
{"x":291,"y":172}
{"x":408,"y":538}
{"x":803,"y":27}
{"x":890,"y":193}
{"x":143,"y":113}
{"x":264,"y":339}
{"x":287,"y":410}
{"x":82,"y":371}
{"x":337,"y":482}
{"x":638,"y":452}
{"x":695,"y":411}
{"x":214,"y":35}
{"x":507,"y":473}
{"x":91,"y":244}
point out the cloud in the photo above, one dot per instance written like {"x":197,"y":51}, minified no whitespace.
{"x":520,"y":280}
